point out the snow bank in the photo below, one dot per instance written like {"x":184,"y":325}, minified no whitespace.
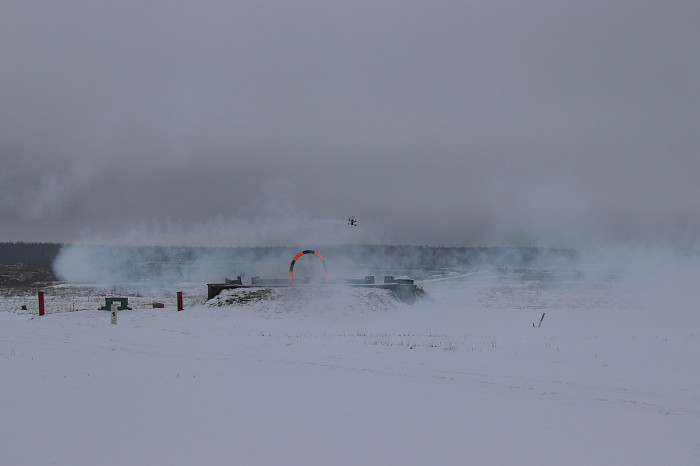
{"x":314,"y":301}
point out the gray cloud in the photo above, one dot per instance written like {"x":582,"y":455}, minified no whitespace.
{"x":546,"y":123}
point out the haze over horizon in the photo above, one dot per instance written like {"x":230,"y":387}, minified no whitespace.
{"x":270,"y":123}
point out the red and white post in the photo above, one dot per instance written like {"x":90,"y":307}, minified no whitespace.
{"x":41,"y":303}
{"x":179,"y":301}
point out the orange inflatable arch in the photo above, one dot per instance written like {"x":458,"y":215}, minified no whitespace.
{"x":308,"y":251}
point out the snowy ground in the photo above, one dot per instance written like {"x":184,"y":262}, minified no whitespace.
{"x":351,"y":376}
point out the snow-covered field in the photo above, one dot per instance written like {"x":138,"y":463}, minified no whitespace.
{"x":351,"y":376}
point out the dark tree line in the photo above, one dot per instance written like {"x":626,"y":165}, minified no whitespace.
{"x":38,"y":254}
{"x":406,"y":256}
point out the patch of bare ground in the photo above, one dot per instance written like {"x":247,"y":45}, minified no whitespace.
{"x":26,"y":276}
{"x":245,"y":296}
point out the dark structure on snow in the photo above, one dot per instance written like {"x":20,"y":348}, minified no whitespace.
{"x":403,"y":288}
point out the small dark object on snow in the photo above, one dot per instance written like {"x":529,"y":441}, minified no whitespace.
{"x":541,"y":319}
{"x":123,"y":304}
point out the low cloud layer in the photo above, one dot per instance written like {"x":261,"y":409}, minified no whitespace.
{"x":246,"y":123}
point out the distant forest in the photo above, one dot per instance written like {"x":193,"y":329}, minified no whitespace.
{"x":38,"y":254}
{"x":44,"y":254}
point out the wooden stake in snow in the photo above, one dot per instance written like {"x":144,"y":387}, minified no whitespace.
{"x":541,"y":319}
{"x":114,"y":313}
{"x":179,"y":301}
{"x":41,"y":303}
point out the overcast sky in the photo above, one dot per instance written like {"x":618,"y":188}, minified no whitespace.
{"x":270,"y":122}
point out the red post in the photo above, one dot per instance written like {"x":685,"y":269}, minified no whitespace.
{"x":179,"y":301}
{"x":41,"y":303}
